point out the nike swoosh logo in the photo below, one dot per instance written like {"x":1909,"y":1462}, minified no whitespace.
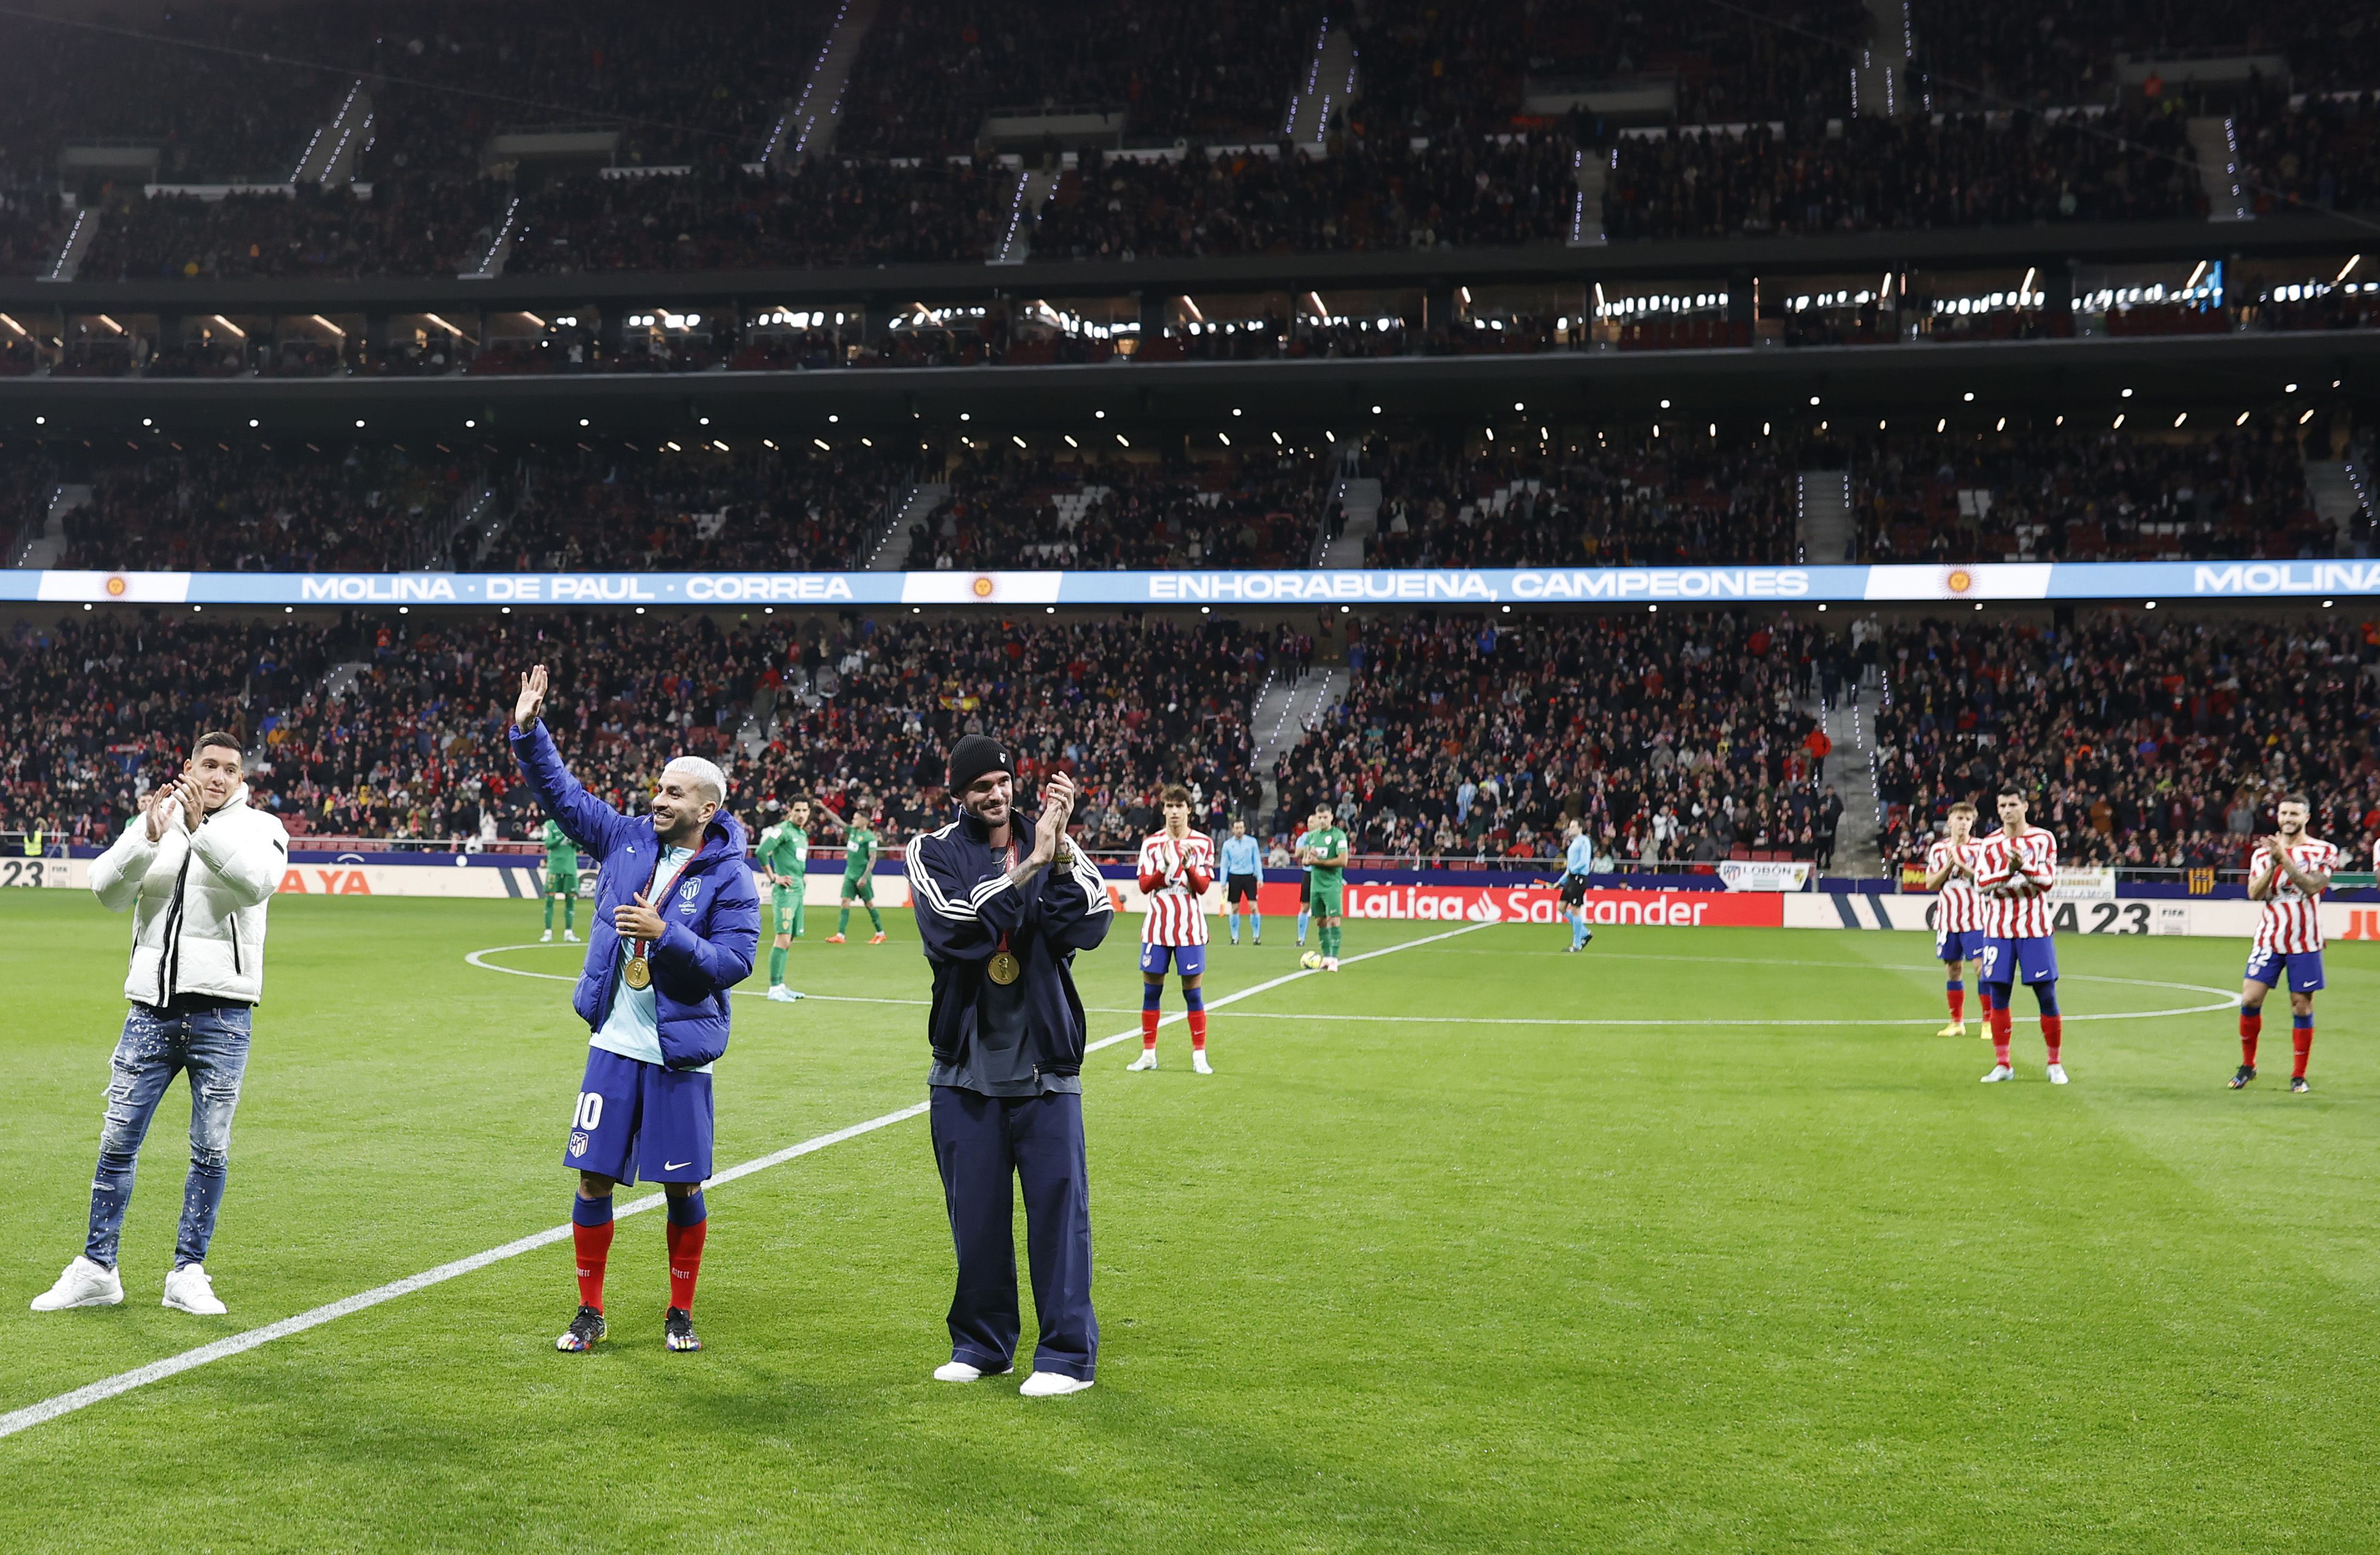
{"x":674,"y":1165}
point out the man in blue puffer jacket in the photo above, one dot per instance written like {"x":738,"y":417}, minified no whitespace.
{"x":676,"y":923}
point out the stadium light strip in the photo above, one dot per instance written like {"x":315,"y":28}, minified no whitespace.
{"x":363,"y":1301}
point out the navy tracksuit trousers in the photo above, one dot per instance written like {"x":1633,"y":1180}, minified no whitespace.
{"x":980,"y":1142}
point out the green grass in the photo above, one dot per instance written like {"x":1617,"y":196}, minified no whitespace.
{"x":1386,"y":1285}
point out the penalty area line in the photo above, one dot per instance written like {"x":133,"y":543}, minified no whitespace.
{"x":240,"y":1344}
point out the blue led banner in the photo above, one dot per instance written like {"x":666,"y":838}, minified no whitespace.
{"x":2009,"y":581}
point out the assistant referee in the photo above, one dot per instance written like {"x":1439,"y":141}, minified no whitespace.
{"x":1000,"y":927}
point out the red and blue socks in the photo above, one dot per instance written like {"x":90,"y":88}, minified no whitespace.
{"x":2053,"y":1025}
{"x":1956,"y":992}
{"x":590,"y":1235}
{"x":1151,"y":995}
{"x":689,"y":1218}
{"x":2302,"y":1042}
{"x":2251,"y":1026}
{"x":1995,"y":1019}
{"x":1196,"y":1000}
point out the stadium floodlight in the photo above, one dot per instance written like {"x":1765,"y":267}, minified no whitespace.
{"x":1070,"y":441}
{"x":1098,"y":415}
{"x":2286,"y":389}
{"x":1518,"y":406}
{"x":2327,"y":603}
{"x":1223,"y":438}
{"x":1814,"y":399}
{"x":467,"y":422}
{"x":2307,"y":417}
{"x":2001,"y":425}
{"x":832,"y":417}
{"x":967,"y":416}
{"x":582,"y":421}
{"x":2242,"y":420}
{"x":1942,"y":425}
{"x":1276,"y":438}
{"x":252,"y":422}
{"x":147,"y":422}
{"x":1376,"y":410}
{"x":1017,"y":440}
{"x":2128,"y":393}
{"x":1970,"y":396}
{"x":2151,"y":605}
{"x":1665,"y":405}
{"x":1125,"y":441}
{"x":40,"y":420}
{"x":2120,"y":424}
{"x":1508,"y":610}
{"x":823,"y":444}
{"x":1235,"y":410}
{"x":359,"y":423}
{"x":2181,"y":419}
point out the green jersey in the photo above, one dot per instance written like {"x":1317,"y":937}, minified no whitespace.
{"x":1328,"y":843}
{"x":561,"y":852}
{"x":784,"y":849}
{"x":859,"y":844}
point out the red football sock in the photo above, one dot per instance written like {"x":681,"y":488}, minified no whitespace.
{"x":685,"y":1261}
{"x":1198,"y":1032}
{"x":2251,"y":1026}
{"x":2053,"y":1032}
{"x":1148,"y":1031}
{"x":2302,"y":1042}
{"x":594,"y":1246}
{"x":1958,"y":997}
{"x":2001,"y":1024}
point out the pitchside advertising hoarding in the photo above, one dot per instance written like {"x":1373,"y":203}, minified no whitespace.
{"x":2009,"y":582}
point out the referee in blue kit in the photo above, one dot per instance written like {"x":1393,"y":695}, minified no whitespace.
{"x":1003,"y":904}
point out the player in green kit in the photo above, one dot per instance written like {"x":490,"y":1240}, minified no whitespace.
{"x":1325,"y":854}
{"x":561,"y":883}
{"x":860,"y":845}
{"x":783,"y":855}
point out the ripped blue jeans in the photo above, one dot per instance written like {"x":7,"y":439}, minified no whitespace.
{"x":211,"y":1045}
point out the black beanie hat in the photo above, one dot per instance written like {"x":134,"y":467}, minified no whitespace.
{"x":973,"y":756}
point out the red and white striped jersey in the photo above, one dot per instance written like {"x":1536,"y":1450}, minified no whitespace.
{"x":2292,"y":920}
{"x":2014,"y":875}
{"x":1961,"y":909}
{"x":1175,"y":873}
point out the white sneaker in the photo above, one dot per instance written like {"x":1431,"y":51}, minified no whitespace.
{"x":546,"y":938}
{"x":959,"y":1371}
{"x":570,"y":936}
{"x":1051,"y":1384}
{"x":1198,"y":1065}
{"x":782,"y":994}
{"x":83,"y":1284}
{"x":2057,"y":1074}
{"x":187,"y":1289}
{"x":1148,"y":1060}
{"x":1330,"y":964}
{"x":1999,"y":1071}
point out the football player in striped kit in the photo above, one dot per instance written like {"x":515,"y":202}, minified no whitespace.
{"x":1176,"y":867}
{"x":2015,"y":868}
{"x":2288,"y":874}
{"x":1958,"y":914}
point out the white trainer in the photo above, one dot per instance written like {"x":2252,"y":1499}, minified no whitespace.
{"x":546,"y":938}
{"x":2057,"y":1074}
{"x":1148,"y":1060}
{"x":187,"y":1289}
{"x":782,"y":994}
{"x":1051,"y":1384}
{"x":1999,"y":1071}
{"x":1330,"y":964}
{"x":570,"y":936}
{"x":1198,"y":1065}
{"x":83,"y":1284}
{"x":959,"y":1371}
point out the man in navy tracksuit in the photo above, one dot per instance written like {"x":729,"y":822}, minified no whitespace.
{"x":1003,"y":904}
{"x":676,"y":923}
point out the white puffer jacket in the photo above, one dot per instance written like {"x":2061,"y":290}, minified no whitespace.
{"x":198,"y":901}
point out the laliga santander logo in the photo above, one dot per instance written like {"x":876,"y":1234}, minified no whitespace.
{"x":1484,"y":910}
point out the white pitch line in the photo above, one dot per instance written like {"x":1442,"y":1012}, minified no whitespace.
{"x":240,"y":1344}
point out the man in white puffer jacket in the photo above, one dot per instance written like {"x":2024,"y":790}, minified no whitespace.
{"x":196,"y":866}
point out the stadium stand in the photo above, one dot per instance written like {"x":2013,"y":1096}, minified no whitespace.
{"x":2160,"y":743}
{"x":1089,"y":515}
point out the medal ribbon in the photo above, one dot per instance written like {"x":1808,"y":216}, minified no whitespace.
{"x":659,"y":864}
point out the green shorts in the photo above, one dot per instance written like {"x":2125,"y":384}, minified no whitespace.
{"x":1330,"y":901}
{"x":860,"y":888}
{"x":562,"y":883}
{"x":785,"y":902}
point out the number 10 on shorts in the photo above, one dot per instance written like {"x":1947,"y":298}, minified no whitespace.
{"x":590,"y":1110}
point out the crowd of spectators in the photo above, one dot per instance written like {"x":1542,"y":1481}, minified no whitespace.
{"x":642,"y":509}
{"x":409,"y":226}
{"x":2064,"y":51}
{"x":2322,"y":155}
{"x":1368,"y":193}
{"x":1641,"y":502}
{"x":1967,"y":170}
{"x":1099,"y":515}
{"x":254,"y":507}
{"x":931,"y":70}
{"x":2068,"y":494}
{"x":31,"y":227}
{"x":2150,"y":743}
{"x":391,"y":728}
{"x":724,"y":218}
{"x":1766,"y":60}
{"x":1674,"y":739}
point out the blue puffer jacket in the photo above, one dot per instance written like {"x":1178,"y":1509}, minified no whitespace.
{"x":713,"y":913}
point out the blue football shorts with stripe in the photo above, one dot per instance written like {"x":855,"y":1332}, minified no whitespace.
{"x":1958,"y":944}
{"x":1188,"y":960}
{"x":2036,"y":956}
{"x":2303,"y":969}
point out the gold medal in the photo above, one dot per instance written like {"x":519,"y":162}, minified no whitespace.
{"x":1004,"y":968}
{"x":639,"y":974}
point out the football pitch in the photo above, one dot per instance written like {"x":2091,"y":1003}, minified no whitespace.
{"x":1699,"y":1241}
